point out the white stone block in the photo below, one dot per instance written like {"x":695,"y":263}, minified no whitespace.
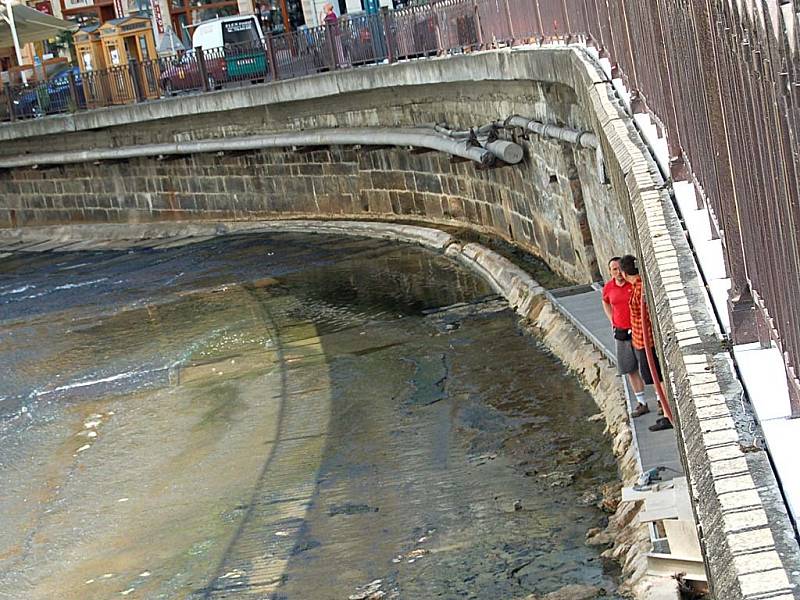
{"x":746,"y":541}
{"x":766,"y":581}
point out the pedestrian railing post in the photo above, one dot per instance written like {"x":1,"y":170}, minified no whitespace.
{"x":200,"y":57}
{"x":331,"y":43}
{"x":539,"y":22}
{"x":9,"y":101}
{"x":136,"y":80}
{"x":388,"y":33}
{"x":73,"y":91}
{"x":509,"y":22}
{"x":272,"y":67}
{"x":478,"y":24}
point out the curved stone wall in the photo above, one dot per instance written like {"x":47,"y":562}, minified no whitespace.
{"x":544,"y":204}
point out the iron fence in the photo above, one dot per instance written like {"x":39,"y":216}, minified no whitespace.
{"x":721,"y":78}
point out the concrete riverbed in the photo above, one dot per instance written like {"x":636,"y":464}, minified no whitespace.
{"x":286,"y":416}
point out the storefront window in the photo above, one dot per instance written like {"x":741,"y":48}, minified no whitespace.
{"x":271,"y":18}
{"x":294,"y":10}
{"x":194,"y":3}
{"x":143,"y":52}
{"x":198,"y":16}
{"x":113,"y":54}
{"x":180,"y":24}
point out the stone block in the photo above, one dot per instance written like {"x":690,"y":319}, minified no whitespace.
{"x":378,"y":201}
{"x":388,"y":180}
{"x":433,"y":205}
{"x":364,"y":181}
{"x":774,"y":580}
{"x":455,"y":208}
{"x":744,"y":519}
{"x":311,"y":169}
{"x":426,"y":182}
{"x":405,"y":203}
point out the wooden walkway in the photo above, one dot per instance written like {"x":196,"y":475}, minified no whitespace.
{"x":582,"y":305}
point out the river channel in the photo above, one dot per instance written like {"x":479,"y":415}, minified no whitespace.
{"x":285,"y":416}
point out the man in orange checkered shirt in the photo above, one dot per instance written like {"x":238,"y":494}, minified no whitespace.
{"x":641,"y":331}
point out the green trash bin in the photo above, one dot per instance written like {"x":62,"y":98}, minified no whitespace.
{"x":251,"y":64}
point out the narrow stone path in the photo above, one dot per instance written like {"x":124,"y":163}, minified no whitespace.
{"x":582,"y":305}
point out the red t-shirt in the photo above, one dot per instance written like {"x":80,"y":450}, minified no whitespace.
{"x":618,"y":296}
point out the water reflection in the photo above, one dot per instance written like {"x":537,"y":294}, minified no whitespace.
{"x":285,"y":416}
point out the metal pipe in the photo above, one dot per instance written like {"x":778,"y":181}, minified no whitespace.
{"x":507,"y":151}
{"x":584,"y":139}
{"x":483,"y":130}
{"x":372,"y":136}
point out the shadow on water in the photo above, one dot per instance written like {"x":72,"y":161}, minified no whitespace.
{"x":307,"y":414}
{"x":469,"y":457}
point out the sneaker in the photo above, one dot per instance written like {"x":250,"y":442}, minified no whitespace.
{"x":641,"y":409}
{"x":661,"y":424}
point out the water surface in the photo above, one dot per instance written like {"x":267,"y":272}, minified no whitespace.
{"x":284,"y":416}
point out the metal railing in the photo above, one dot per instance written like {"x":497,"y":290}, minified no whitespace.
{"x":720,"y":77}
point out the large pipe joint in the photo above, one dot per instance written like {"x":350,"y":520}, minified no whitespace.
{"x":509,"y":152}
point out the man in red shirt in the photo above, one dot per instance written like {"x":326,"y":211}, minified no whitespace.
{"x":616,"y":304}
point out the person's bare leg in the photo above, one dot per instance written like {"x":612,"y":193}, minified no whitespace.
{"x":636,"y":381}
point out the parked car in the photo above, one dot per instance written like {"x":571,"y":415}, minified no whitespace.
{"x":232,"y":49}
{"x":52,"y":96}
{"x":183,"y":73}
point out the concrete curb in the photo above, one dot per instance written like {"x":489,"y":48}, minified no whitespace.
{"x":513,"y":283}
{"x":432,"y":238}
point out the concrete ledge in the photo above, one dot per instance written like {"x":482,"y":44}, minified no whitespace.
{"x":424,"y":236}
{"x":547,"y":64}
{"x":514,"y":284}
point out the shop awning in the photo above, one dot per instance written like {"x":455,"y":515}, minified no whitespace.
{"x":31,"y":25}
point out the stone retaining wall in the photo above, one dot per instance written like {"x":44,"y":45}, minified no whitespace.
{"x":520,"y":204}
{"x":554,"y":205}
{"x":748,"y":541}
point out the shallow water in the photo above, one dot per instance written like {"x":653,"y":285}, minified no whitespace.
{"x":284,"y":416}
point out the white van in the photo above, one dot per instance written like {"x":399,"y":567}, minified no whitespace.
{"x":238,"y":30}
{"x":234,"y":47}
